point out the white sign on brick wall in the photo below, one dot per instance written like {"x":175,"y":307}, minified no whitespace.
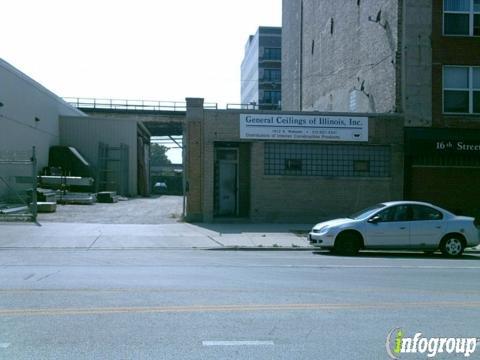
{"x":303,"y":127}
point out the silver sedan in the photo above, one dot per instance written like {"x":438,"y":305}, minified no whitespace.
{"x":398,"y":225}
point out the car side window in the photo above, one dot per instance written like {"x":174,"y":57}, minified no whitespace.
{"x":394,"y":213}
{"x":424,"y":213}
{"x":385,"y":215}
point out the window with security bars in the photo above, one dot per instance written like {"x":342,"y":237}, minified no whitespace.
{"x":295,"y":159}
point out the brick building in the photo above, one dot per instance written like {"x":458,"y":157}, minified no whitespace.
{"x":289,"y":166}
{"x":420,"y":59}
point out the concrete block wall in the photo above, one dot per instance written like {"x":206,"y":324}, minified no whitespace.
{"x":291,"y":60}
{"x":346,"y":56}
{"x":343,"y":51}
{"x":416,"y":18}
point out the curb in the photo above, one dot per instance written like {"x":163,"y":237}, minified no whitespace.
{"x":226,"y":248}
{"x":260,"y":248}
{"x":222,"y":248}
{"x":269,"y":248}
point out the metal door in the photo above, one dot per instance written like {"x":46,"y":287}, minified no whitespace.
{"x":227,"y":177}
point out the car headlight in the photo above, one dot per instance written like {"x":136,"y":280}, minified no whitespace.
{"x":322,"y":230}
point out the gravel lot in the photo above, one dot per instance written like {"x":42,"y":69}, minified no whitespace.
{"x":154,"y":210}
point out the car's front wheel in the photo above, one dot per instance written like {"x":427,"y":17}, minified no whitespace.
{"x":347,"y":243}
{"x":452,"y":246}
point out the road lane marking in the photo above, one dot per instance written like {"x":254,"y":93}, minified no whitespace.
{"x":238,"y":343}
{"x":4,"y":345}
{"x":231,"y":308}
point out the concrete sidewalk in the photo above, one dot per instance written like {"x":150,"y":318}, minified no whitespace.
{"x":177,"y":235}
{"x":52,"y":235}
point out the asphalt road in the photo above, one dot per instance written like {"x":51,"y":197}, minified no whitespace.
{"x":170,"y":304}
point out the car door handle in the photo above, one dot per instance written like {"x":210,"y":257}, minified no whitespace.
{"x":438,"y":227}
{"x":403,"y":227}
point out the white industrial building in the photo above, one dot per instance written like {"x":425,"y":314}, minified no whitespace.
{"x":29,"y":114}
{"x":32,"y":116}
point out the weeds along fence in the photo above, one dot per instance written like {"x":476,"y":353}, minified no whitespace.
{"x":18,"y":185}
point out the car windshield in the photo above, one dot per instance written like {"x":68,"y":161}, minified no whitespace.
{"x":366,"y":212}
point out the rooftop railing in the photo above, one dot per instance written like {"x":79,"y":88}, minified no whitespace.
{"x":131,"y":105}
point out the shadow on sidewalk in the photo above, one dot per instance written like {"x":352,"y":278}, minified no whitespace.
{"x":300,"y":230}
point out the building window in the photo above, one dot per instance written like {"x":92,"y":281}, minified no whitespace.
{"x":271,"y":97}
{"x":461,"y":89}
{"x":296,"y":159}
{"x":273,"y":75}
{"x":461,"y":17}
{"x":272,"y":54}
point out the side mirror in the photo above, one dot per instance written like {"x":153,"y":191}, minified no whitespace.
{"x":375,"y":219}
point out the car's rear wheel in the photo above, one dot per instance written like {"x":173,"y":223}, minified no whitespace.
{"x":452,"y":246}
{"x":347,"y":243}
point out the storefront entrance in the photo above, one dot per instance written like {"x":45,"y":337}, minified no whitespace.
{"x":231,"y":180}
{"x":443,"y":167}
{"x":227,"y":168}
